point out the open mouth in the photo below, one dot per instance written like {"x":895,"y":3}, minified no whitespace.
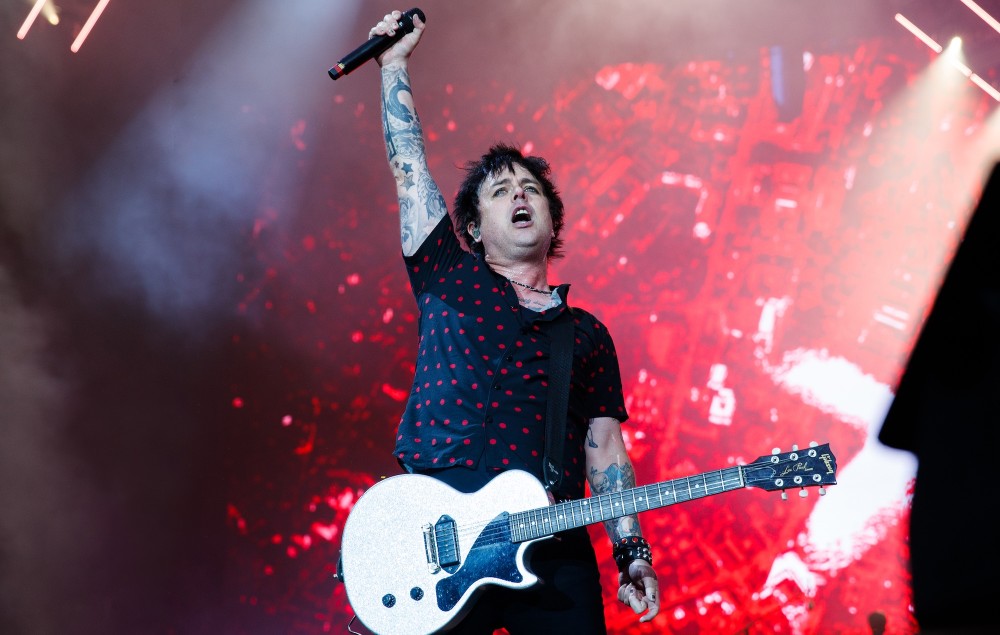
{"x":521,"y":215}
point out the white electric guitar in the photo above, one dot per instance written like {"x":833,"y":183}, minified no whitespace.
{"x":415,"y":552}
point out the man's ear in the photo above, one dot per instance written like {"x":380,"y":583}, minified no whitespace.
{"x":474,"y":231}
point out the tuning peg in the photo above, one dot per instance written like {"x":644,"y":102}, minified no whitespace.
{"x":784,"y":495}
{"x":803,"y":493}
{"x":813,"y":444}
{"x":795,"y":448}
{"x":775,"y":450}
{"x":822,"y":491}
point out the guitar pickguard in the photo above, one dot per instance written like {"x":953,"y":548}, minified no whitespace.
{"x":493,"y":555}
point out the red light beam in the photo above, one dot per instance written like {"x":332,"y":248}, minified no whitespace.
{"x":978,"y":10}
{"x":91,"y":21}
{"x":937,"y":48}
{"x":923,"y":37}
{"x":986,"y":86}
{"x":28,"y":21}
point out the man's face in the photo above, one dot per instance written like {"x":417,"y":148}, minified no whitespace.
{"x":515,"y":222}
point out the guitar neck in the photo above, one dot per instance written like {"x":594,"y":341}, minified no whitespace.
{"x":545,"y":521}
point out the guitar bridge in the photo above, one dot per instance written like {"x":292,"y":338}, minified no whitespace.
{"x":430,"y":549}
{"x":441,"y":544}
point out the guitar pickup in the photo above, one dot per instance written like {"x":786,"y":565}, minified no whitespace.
{"x":446,"y":535}
{"x":441,"y":544}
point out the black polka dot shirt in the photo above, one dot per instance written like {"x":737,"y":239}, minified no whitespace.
{"x":478,"y":399}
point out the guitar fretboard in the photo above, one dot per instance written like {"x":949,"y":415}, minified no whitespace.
{"x":544,"y":521}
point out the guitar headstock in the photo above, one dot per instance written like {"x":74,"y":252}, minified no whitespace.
{"x":814,"y":466}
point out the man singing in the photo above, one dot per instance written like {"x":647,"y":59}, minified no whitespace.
{"x":477,"y":406}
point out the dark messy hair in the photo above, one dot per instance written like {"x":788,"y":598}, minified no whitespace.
{"x":499,"y":158}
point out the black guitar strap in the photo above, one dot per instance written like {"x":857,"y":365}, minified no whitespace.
{"x":558,"y":401}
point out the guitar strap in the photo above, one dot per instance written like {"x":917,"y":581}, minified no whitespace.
{"x":558,"y":401}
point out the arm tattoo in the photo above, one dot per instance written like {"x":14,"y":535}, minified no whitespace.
{"x":393,"y":110}
{"x":615,"y":478}
{"x":421,"y":204}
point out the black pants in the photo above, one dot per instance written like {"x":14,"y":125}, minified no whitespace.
{"x":568,"y":599}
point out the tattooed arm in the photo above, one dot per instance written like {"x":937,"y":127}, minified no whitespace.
{"x":609,"y":469}
{"x":421,"y":204}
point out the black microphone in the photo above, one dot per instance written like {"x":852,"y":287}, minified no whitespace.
{"x":375,"y":46}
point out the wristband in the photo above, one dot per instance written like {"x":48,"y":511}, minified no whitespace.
{"x":631,"y":548}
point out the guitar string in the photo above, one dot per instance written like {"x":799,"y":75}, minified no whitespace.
{"x":476,"y":529}
{"x":501,"y":533}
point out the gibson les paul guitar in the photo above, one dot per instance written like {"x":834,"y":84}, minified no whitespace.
{"x":415,"y":552}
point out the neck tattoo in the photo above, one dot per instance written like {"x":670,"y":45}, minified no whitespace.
{"x":530,"y":288}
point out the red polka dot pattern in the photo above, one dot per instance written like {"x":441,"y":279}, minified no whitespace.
{"x":483,"y":360}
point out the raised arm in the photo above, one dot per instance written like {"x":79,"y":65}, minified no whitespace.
{"x":421,"y":204}
{"x":609,"y":469}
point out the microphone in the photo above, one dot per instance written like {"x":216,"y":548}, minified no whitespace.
{"x":375,"y":46}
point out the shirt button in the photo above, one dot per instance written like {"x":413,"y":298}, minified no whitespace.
{"x":510,"y":358}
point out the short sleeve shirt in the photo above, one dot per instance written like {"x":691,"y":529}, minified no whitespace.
{"x":478,"y":399}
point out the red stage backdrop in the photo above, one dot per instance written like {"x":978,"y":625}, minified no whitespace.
{"x":764,"y":267}
{"x":207,"y":335}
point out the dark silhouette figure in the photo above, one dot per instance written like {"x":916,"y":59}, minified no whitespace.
{"x":946,"y":411}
